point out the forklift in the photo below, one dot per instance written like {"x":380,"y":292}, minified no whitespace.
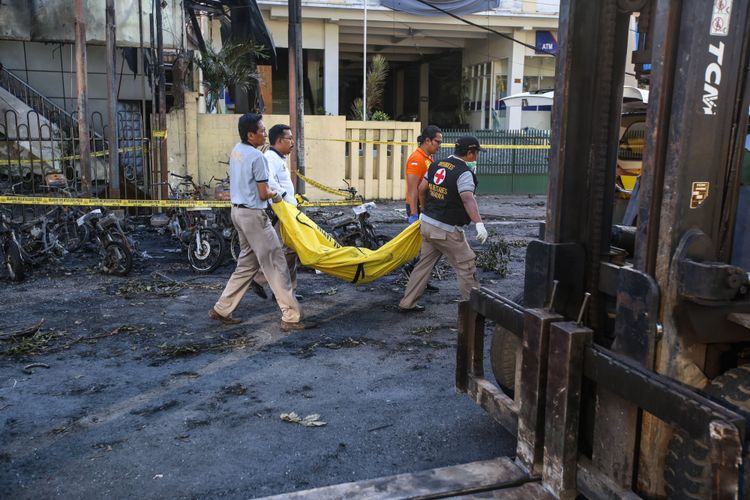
{"x":631,"y":375}
{"x":624,"y":369}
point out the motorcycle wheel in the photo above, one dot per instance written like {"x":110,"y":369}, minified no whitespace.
{"x":116,"y":259}
{"x":14,"y":262}
{"x":234,"y":245}
{"x":70,"y":235}
{"x":205,"y":250}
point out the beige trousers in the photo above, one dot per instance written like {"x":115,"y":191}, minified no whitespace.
{"x":260,"y":251}
{"x":291,"y":261}
{"x":435,"y":243}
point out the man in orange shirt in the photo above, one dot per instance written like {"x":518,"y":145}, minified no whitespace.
{"x":416,"y":166}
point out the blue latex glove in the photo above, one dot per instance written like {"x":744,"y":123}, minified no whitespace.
{"x":413,"y":218}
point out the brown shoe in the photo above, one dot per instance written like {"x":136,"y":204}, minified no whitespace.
{"x":299,"y":325}
{"x":212,"y":314}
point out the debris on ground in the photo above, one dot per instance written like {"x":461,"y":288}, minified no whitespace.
{"x":29,"y":369}
{"x":328,"y":291}
{"x":495,"y":257}
{"x":309,"y":421}
{"x":157,"y":284}
{"x":442,"y":270}
{"x":330,"y":343}
{"x":24,"y":332}
{"x":37,"y":343}
{"x":213,"y":345}
{"x":424,"y":330}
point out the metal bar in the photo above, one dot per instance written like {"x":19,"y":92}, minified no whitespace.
{"x":494,"y":401}
{"x":614,"y":450}
{"x":567,"y":342}
{"x":163,"y":157}
{"x":111,"y":57}
{"x":465,"y":311}
{"x":296,"y":93}
{"x":499,"y":309}
{"x":29,"y":95}
{"x":533,"y":385}
{"x":84,"y":146}
{"x":475,"y":343}
{"x":656,"y":394}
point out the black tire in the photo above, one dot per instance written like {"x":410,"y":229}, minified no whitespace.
{"x":687,"y":471}
{"x":505,"y":346}
{"x":14,"y":263}
{"x":207,"y":254}
{"x":116,"y":259}
{"x":70,"y":235}
{"x":503,"y":352}
{"x":234,"y":245}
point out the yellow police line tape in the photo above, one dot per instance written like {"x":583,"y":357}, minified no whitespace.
{"x":405,"y":143}
{"x":330,"y":190}
{"x":100,"y":202}
{"x":72,"y":157}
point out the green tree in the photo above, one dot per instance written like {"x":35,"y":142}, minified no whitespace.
{"x":232,"y":67}
{"x":377,"y":75}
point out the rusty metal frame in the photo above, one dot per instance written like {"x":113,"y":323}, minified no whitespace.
{"x":557,"y":356}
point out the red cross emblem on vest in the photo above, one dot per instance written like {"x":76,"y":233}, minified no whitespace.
{"x":439,"y":176}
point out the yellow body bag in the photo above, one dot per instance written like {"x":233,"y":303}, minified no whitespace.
{"x":318,"y":250}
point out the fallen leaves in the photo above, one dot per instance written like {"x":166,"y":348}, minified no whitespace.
{"x":312,"y":420}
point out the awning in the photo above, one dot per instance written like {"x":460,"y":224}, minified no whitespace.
{"x":457,"y":7}
{"x":245,"y":22}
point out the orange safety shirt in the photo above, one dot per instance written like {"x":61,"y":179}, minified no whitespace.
{"x":417,"y":164}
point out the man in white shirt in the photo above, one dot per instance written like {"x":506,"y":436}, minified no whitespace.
{"x":261,"y":250}
{"x":280,"y":180}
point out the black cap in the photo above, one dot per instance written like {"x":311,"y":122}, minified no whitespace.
{"x":468,"y":143}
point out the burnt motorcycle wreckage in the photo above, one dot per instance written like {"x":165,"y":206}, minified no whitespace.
{"x":193,"y":227}
{"x":115,"y":250}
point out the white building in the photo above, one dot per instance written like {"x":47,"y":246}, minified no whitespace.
{"x":443,"y":70}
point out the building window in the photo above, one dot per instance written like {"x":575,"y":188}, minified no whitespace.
{"x":477,"y":79}
{"x":312,"y":69}
{"x":539,"y":73}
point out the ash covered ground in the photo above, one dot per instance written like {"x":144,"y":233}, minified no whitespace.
{"x":141,"y":395}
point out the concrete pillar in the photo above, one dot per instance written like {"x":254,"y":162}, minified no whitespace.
{"x":424,"y":93}
{"x":331,"y":69}
{"x":399,"y":93}
{"x":515,"y":77}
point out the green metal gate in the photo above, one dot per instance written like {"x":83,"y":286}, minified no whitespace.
{"x":516,"y":161}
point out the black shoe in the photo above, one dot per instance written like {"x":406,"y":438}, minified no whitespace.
{"x":416,"y":308}
{"x":430,"y":288}
{"x":258,"y":290}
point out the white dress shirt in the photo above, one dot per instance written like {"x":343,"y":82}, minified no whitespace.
{"x":279,"y":178}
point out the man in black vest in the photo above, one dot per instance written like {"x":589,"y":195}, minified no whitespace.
{"x":447,"y":195}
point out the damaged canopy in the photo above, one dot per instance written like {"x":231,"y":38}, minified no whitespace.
{"x":457,"y":7}
{"x":243,"y":23}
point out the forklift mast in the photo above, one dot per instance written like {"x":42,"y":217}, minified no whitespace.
{"x":613,"y":349}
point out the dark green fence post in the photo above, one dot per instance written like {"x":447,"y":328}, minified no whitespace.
{"x":513,"y":157}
